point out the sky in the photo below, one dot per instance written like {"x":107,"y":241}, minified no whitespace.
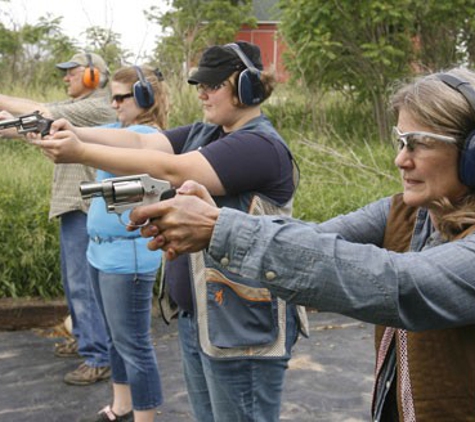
{"x":124,"y":17}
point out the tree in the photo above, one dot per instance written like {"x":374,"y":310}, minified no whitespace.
{"x":362,"y":47}
{"x":191,"y":25}
{"x":106,"y":43}
{"x":29,"y":52}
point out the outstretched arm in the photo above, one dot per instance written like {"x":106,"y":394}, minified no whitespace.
{"x":18,"y":106}
{"x":65,"y":147}
{"x":111,"y":137}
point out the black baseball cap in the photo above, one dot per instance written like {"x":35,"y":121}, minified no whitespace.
{"x":219,"y":62}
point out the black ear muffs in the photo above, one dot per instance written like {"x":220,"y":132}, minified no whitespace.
{"x":143,"y":91}
{"x":91,"y":77}
{"x":249,"y":85}
{"x":467,"y":155}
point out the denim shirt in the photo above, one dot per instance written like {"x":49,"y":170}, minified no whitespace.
{"x":340,"y":266}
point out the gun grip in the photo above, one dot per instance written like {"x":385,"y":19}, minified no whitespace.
{"x":168,"y":194}
{"x":46,"y":127}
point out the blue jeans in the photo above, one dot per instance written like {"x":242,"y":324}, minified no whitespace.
{"x":126,"y":300}
{"x":234,"y":390}
{"x":87,"y":321}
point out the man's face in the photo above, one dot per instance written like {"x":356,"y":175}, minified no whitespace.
{"x":73,"y":78}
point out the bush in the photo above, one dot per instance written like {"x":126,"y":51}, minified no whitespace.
{"x":29,"y":251}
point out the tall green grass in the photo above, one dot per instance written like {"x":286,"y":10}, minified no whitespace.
{"x":342,"y":162}
{"x":29,"y":251}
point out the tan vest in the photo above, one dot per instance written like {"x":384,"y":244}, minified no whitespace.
{"x":441,"y":362}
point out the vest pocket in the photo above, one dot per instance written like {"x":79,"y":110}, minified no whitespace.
{"x":241,"y":313}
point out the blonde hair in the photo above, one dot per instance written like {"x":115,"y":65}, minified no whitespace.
{"x":442,"y":109}
{"x":157,"y":114}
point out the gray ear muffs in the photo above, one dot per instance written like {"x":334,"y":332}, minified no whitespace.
{"x":143,"y":91}
{"x":467,"y":155}
{"x":249,"y":85}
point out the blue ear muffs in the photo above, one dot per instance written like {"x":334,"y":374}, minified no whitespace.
{"x":467,"y":162}
{"x":467,"y":155}
{"x":249,"y":85}
{"x":143,"y":91}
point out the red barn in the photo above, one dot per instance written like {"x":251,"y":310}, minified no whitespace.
{"x":266,"y":37}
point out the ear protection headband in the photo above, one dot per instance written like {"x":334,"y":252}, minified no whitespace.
{"x":91,"y":77}
{"x":143,"y":91}
{"x":467,"y":155}
{"x":249,"y":86}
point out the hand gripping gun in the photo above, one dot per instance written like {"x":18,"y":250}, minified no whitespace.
{"x":126,"y":192}
{"x":33,"y":122}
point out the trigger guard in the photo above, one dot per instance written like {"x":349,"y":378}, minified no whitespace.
{"x":130,"y":224}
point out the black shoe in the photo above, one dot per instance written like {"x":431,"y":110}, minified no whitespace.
{"x":107,"y":415}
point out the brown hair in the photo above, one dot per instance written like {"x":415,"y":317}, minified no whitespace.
{"x":268,"y":81}
{"x":437,"y":106}
{"x":157,"y":114}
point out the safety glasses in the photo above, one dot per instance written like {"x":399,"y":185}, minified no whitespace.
{"x":207,"y":89}
{"x":418,"y":140}
{"x":119,"y":98}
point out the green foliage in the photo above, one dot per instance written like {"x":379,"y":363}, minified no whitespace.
{"x":29,"y":52}
{"x":343,"y":163}
{"x":341,"y":174}
{"x":106,"y":43}
{"x":361,"y":47}
{"x":185,"y":107}
{"x":29,"y":251}
{"x":444,"y":33}
{"x":187,"y":33}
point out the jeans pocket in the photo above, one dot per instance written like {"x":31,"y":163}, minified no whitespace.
{"x":241,"y":313}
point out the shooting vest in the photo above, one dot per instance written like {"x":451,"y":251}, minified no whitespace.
{"x":237,"y":317}
{"x":440,"y":386}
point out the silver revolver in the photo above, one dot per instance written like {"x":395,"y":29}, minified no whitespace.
{"x":126,"y":192}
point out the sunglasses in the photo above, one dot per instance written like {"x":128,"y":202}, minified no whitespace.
{"x":119,"y":98}
{"x":207,"y":89}
{"x":418,"y":140}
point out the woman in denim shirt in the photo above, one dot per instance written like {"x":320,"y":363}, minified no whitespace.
{"x":405,"y":262}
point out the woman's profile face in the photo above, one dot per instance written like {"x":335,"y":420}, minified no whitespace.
{"x":123,"y":102}
{"x":430,"y":171}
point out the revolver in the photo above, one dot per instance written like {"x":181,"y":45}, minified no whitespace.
{"x":126,"y":192}
{"x":33,"y":122}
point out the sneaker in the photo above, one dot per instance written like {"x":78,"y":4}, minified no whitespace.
{"x":107,"y":415}
{"x":85,"y":375}
{"x":67,"y":349}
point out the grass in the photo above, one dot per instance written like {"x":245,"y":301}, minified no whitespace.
{"x":342,"y":162}
{"x":29,"y":250}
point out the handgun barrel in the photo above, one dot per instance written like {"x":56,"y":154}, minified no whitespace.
{"x":91,"y":189}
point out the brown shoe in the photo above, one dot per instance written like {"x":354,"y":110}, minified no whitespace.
{"x":86,"y":375}
{"x":67,"y":349}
